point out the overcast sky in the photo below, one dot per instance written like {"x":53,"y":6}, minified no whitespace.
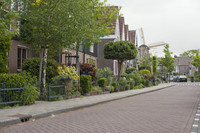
{"x":176,"y":22}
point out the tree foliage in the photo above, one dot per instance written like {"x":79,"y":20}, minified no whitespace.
{"x":167,"y":61}
{"x":6,"y":20}
{"x":155,"y":64}
{"x":146,"y":62}
{"x":120,"y":51}
{"x":190,"y":53}
{"x":196,"y":60}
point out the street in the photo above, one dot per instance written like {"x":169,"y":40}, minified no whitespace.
{"x":171,"y":110}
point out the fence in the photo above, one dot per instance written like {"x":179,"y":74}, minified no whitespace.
{"x":10,"y":95}
{"x":56,"y":91}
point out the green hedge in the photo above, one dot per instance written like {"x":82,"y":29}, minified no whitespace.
{"x":32,"y":65}
{"x":86,"y":83}
{"x":102,"y":82}
{"x":17,"y":80}
{"x":20,"y":80}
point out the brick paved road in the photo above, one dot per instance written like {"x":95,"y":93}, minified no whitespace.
{"x":170,"y":110}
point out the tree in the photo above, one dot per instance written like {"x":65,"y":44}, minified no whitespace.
{"x":42,"y":26}
{"x":120,"y":51}
{"x":167,"y":61}
{"x":196,"y":60}
{"x":190,"y":53}
{"x":146,"y":62}
{"x":51,"y":25}
{"x":91,"y":20}
{"x":6,"y":19}
{"x":155,"y":64}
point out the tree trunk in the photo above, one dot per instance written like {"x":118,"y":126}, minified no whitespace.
{"x":119,"y":69}
{"x":77,"y":59}
{"x":44,"y":72}
{"x":40,"y":72}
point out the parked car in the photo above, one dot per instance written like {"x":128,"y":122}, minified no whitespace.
{"x":171,"y":78}
{"x":176,"y":78}
{"x":182,"y":78}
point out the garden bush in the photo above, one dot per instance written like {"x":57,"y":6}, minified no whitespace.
{"x":102,"y":82}
{"x":86,"y":83}
{"x":135,"y":77}
{"x":127,"y":87}
{"x":112,"y":89}
{"x":105,"y":72}
{"x":29,"y":95}
{"x":19,"y":80}
{"x":139,"y":86}
{"x":9,"y":80}
{"x":88,"y":69}
{"x":130,"y":70}
{"x":32,"y":65}
{"x":132,"y":83}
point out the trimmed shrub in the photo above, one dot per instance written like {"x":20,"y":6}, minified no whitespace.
{"x":127,"y":87}
{"x":86,"y":83}
{"x":29,"y":95}
{"x":139,"y":86}
{"x":130,"y":70}
{"x":132,"y":83}
{"x":17,"y":80}
{"x":112,"y":89}
{"x":32,"y":65}
{"x":88,"y":69}
{"x":135,"y":77}
{"x":102,"y":82}
{"x":105,"y":72}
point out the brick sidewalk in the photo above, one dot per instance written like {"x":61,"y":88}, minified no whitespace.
{"x":43,"y":108}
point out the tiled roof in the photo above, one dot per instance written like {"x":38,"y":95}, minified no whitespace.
{"x":126,"y":33}
{"x":132,"y":34}
{"x":183,"y":61}
{"x":114,"y":21}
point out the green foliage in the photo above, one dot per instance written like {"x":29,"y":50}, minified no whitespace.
{"x":127,"y":87}
{"x":5,"y":42}
{"x":132,"y":83}
{"x":135,"y":77}
{"x":29,"y":95}
{"x":168,"y":60}
{"x":190,"y":53}
{"x":120,"y":51}
{"x":114,"y":83}
{"x":196,"y":60}
{"x":130,"y":70}
{"x":139,"y":86}
{"x":112,"y":89}
{"x":88,"y":69}
{"x":86,"y":83}
{"x":155,"y":64}
{"x":32,"y":65}
{"x":196,"y":77}
{"x":145,"y":73}
{"x":146,"y":62}
{"x":102,"y":82}
{"x":105,"y":72}
{"x":17,"y":80}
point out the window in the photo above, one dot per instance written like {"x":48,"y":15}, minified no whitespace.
{"x":92,"y":49}
{"x":21,"y":57}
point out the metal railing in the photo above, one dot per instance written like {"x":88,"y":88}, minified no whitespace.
{"x":10,"y":95}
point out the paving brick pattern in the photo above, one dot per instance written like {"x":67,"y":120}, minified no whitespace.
{"x":171,"y":110}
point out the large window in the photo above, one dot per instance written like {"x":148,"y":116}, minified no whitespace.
{"x":21,"y":57}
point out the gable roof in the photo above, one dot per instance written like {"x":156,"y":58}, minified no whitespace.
{"x":126,"y":33}
{"x":121,"y":23}
{"x":114,"y":22}
{"x":132,"y":34}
